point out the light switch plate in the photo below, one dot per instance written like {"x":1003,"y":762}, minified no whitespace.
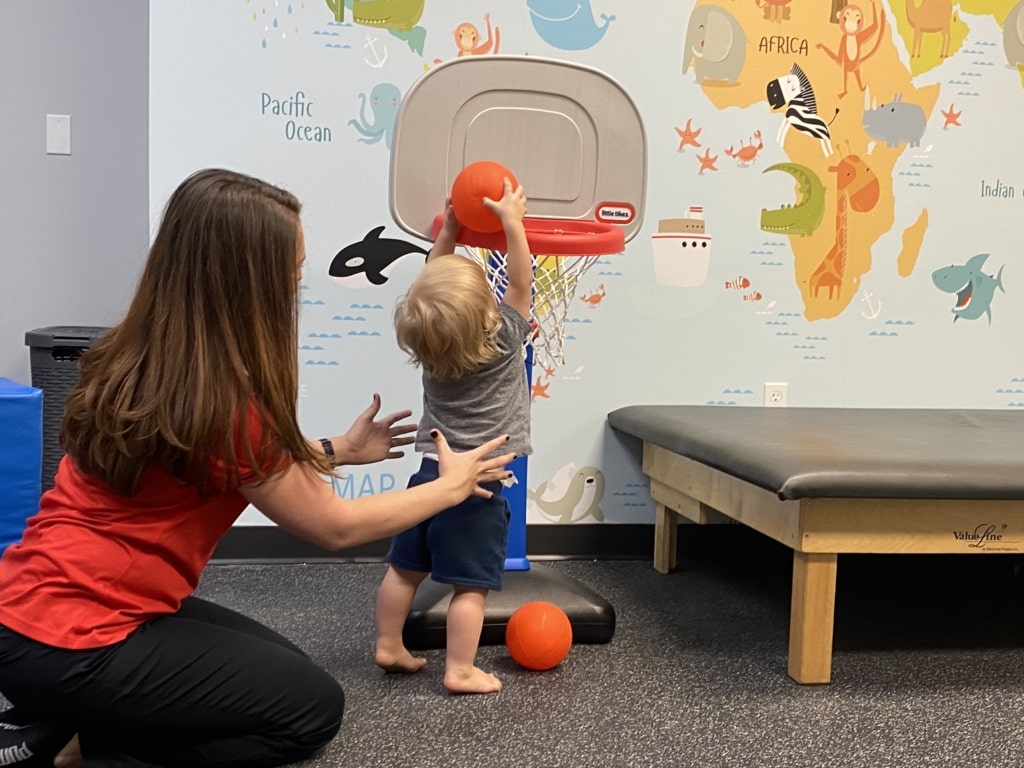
{"x":58,"y":134}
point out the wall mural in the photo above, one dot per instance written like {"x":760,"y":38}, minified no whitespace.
{"x":834,"y":197}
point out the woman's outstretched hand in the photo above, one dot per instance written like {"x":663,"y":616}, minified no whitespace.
{"x":370,"y":439}
{"x":468,"y":470}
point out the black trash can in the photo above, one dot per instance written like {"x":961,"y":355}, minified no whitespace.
{"x":54,"y":353}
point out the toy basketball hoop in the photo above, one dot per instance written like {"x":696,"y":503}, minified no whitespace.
{"x":563,"y":250}
{"x":575,"y":140}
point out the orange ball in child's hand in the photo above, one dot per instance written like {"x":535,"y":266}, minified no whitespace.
{"x":475,"y":182}
{"x":538,"y":635}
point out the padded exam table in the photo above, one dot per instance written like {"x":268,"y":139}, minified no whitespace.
{"x":825,"y":481}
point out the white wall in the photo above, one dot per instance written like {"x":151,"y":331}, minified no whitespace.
{"x":74,"y":230}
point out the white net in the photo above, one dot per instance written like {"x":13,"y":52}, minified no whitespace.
{"x":554,"y":286}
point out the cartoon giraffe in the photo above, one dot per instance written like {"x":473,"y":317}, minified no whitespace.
{"x":858,"y":189}
{"x":829,"y":273}
{"x":856,"y":179}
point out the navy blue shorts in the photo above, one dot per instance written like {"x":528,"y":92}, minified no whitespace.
{"x":464,"y":546}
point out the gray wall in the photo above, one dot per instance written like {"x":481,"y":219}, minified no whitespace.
{"x":74,"y":230}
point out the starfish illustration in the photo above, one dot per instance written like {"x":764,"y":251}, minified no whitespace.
{"x":688,"y":136}
{"x":539,"y":390}
{"x":952,"y":118}
{"x":549,"y":372}
{"x":707,"y":162}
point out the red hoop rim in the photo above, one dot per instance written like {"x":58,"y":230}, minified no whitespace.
{"x":550,"y":237}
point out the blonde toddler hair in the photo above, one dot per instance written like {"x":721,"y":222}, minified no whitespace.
{"x":448,"y":319}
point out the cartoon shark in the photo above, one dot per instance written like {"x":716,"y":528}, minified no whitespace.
{"x":581,"y":499}
{"x":973,"y":288}
{"x":370,"y":256}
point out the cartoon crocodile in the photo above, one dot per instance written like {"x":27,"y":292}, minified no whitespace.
{"x":399,"y":17}
{"x":973,"y":288}
{"x":385,"y":14}
{"x":803,"y":217}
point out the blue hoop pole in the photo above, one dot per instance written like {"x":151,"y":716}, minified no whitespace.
{"x":515,"y":555}
{"x":515,"y":494}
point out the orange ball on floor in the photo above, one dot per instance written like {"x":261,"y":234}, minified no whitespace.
{"x":538,"y":635}
{"x":475,"y":182}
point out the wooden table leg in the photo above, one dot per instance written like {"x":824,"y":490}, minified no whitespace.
{"x":666,"y":524}
{"x":811,"y":616}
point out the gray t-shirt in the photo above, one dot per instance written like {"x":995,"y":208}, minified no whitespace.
{"x":493,"y":400}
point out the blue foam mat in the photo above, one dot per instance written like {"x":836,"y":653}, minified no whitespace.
{"x":21,"y":456}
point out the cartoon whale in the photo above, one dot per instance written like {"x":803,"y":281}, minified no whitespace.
{"x":567,"y":24}
{"x":973,"y":288}
{"x":370,"y":256}
{"x":580,"y":500}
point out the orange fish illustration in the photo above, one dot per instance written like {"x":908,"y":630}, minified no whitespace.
{"x":739,"y":284}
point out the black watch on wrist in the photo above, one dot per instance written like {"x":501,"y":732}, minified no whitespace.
{"x":328,"y":448}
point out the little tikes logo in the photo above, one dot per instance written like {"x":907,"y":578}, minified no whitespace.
{"x":982,"y":535}
{"x":615,"y":213}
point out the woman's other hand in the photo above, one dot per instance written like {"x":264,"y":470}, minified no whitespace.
{"x":469,"y":469}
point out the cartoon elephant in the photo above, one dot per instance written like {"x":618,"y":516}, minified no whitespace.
{"x":715,"y":43}
{"x":1013,"y":35}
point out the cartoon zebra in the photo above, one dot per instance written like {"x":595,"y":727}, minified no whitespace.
{"x":794,"y":92}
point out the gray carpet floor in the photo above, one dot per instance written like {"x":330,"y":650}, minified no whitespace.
{"x":928,"y":669}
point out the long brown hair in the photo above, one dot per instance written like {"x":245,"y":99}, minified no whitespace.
{"x":210,"y":334}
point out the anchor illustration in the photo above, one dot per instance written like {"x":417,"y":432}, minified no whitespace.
{"x":378,"y":62}
{"x":873,"y":308}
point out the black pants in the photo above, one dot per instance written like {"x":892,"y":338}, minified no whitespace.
{"x":203,"y":687}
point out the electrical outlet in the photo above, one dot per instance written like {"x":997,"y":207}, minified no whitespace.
{"x":775,"y":394}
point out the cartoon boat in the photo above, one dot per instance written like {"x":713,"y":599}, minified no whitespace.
{"x":682,"y":250}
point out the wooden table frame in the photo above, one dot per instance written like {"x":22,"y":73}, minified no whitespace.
{"x":818,"y":530}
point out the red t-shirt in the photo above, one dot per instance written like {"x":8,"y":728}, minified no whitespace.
{"x":93,"y":565}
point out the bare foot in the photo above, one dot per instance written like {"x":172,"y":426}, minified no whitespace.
{"x":402,"y":662}
{"x":70,"y":756}
{"x":471,"y":680}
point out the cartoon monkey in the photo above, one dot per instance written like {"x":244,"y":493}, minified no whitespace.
{"x":466,"y":37}
{"x":850,"y":53}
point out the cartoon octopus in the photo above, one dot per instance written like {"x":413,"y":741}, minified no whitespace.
{"x":384,"y":101}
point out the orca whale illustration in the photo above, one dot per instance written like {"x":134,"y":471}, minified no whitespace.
{"x":371,"y":256}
